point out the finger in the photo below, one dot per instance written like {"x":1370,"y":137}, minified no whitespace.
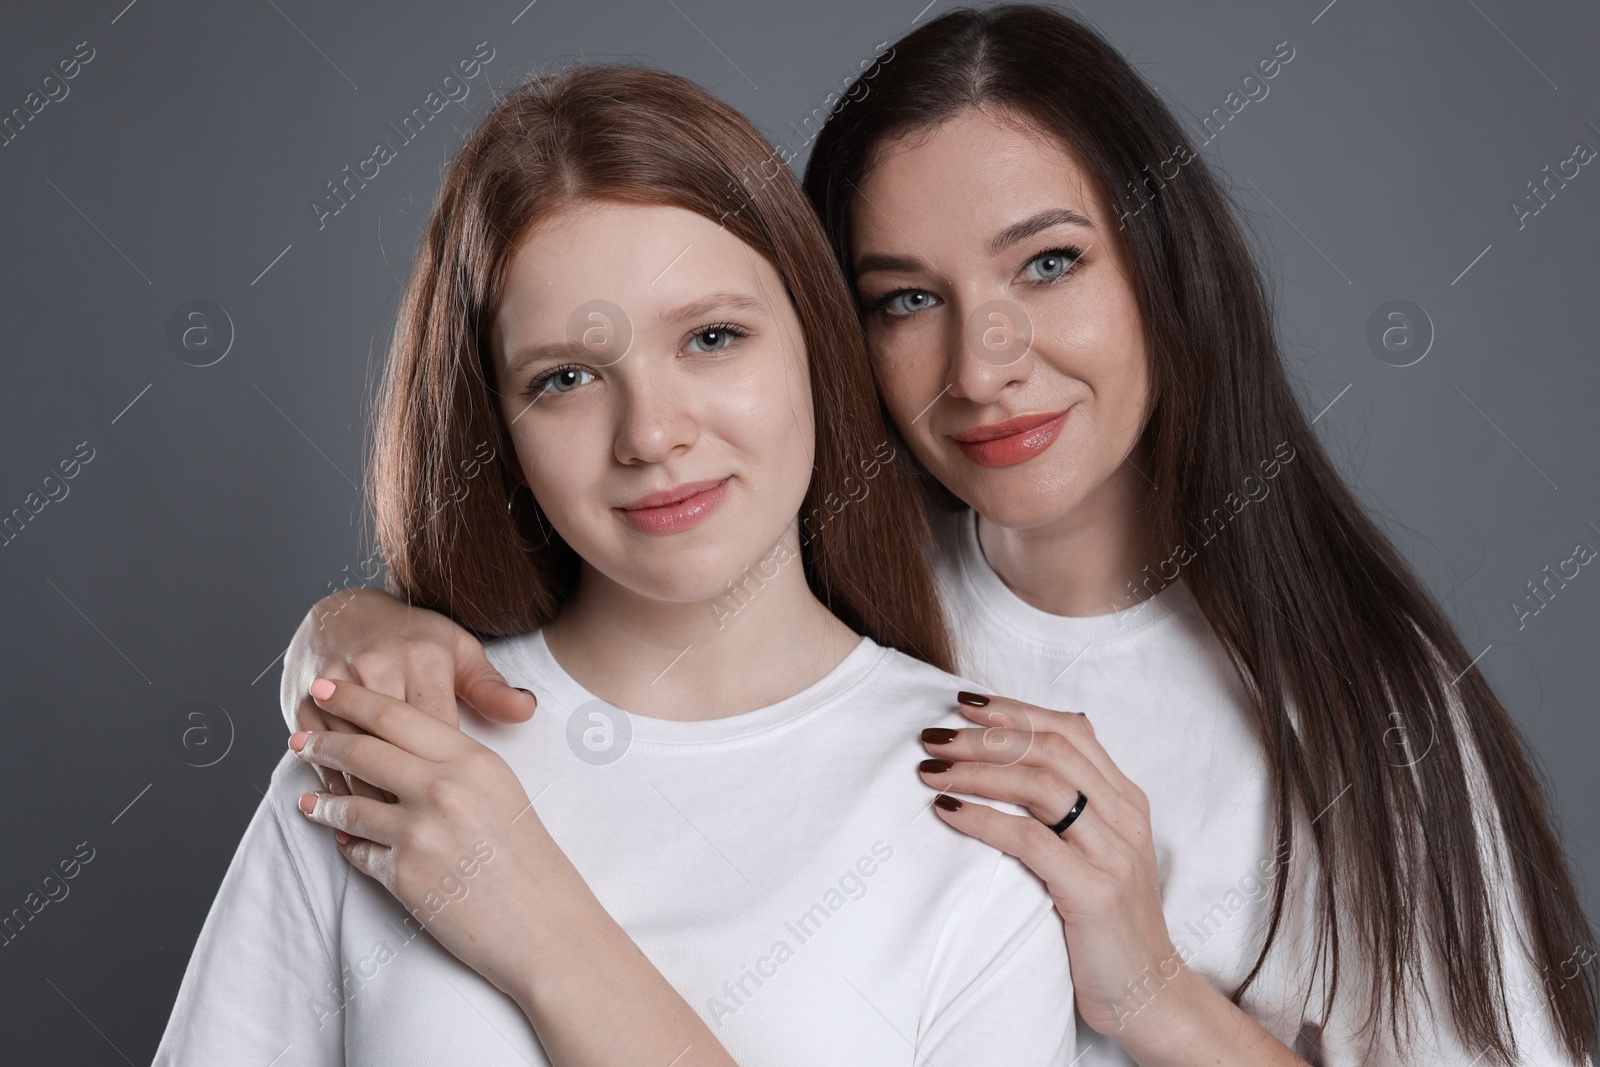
{"x":1048,"y":773}
{"x":353,"y":784}
{"x":308,"y":716}
{"x":394,"y":721}
{"x":485,"y":688}
{"x":372,"y":820}
{"x":430,"y":683}
{"x":371,"y":858}
{"x":376,"y":671}
{"x":1005,"y":746}
{"x":1073,"y":725}
{"x":1041,"y":791}
{"x":364,"y":756}
{"x":1046,"y":794}
{"x":1029,"y":840}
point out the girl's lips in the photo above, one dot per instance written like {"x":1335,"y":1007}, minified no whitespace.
{"x":675,"y":510}
{"x":1004,"y":444}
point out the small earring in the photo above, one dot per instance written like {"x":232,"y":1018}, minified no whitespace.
{"x":537,"y":516}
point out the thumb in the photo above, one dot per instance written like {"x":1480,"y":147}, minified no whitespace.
{"x":485,"y":688}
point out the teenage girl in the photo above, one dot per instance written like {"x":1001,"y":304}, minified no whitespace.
{"x":710,"y":845}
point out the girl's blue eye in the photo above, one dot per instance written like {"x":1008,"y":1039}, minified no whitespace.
{"x":907,"y":301}
{"x":713,"y":338}
{"x":563,"y":380}
{"x":1053,"y":263}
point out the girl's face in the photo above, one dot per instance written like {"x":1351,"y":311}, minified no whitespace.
{"x":653,"y":376}
{"x":1004,"y":330}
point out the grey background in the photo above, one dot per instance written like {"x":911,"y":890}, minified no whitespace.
{"x":222,"y":501}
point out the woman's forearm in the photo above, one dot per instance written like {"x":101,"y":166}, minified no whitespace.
{"x":1189,"y":1024}
{"x":593,"y":997}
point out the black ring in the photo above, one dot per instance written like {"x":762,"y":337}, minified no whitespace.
{"x":1071,"y":816}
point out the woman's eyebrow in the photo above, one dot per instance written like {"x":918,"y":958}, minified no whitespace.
{"x":1019,"y":231}
{"x":880,"y":261}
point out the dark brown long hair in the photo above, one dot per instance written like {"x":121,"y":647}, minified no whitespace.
{"x":442,"y":476}
{"x":1342,"y":651}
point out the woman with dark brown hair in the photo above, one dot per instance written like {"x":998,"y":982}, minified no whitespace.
{"x":1336,"y":824}
{"x":691,"y":537}
{"x":1337,"y":840}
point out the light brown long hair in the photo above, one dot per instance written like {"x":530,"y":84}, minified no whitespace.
{"x":442,"y":475}
{"x":1314,"y":606}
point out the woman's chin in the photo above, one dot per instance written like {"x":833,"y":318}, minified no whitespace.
{"x":1017,"y":502}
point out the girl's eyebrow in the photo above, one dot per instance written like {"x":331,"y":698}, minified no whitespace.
{"x":727,"y":300}
{"x":555,"y":351}
{"x":561,"y":351}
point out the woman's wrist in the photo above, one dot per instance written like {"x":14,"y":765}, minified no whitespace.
{"x":1164,"y":1018}
{"x":1185,"y":1022}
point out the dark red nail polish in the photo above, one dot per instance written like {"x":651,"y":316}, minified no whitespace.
{"x":938,"y":735}
{"x":935,"y":766}
{"x":971,"y":700}
{"x":947,"y":802}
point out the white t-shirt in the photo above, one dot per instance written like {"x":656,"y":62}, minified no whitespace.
{"x":781,"y":867}
{"x":1171,"y":712}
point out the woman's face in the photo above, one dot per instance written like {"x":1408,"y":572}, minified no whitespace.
{"x":1005,"y":332}
{"x":653,"y":377}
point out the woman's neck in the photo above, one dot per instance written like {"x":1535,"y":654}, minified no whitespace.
{"x":754,"y":644}
{"x":1090,"y":561}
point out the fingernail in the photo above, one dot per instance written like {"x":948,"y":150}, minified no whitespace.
{"x":308,"y":802}
{"x":530,"y":694}
{"x":935,"y":766}
{"x":341,"y":837}
{"x":947,"y":802}
{"x":297,"y":740}
{"x":938,"y":735}
{"x":971,"y":700}
{"x":322,"y":689}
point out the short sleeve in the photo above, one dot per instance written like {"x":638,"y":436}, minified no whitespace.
{"x":262,"y":985}
{"x":1002,"y":993}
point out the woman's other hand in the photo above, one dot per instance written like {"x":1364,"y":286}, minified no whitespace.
{"x":1100,"y":870}
{"x":366,"y":636}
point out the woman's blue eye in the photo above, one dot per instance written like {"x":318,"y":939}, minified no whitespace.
{"x":908,"y":301}
{"x":1053,"y":264}
{"x":565,"y":379}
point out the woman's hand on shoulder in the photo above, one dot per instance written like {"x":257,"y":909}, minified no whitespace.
{"x":1127,"y":976}
{"x":365,"y":635}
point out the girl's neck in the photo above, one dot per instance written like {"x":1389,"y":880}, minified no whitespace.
{"x":756,"y":643}
{"x":1090,"y":561}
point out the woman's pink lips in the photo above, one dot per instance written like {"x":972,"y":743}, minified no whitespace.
{"x":1004,"y":444}
{"x":677,"y":509}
